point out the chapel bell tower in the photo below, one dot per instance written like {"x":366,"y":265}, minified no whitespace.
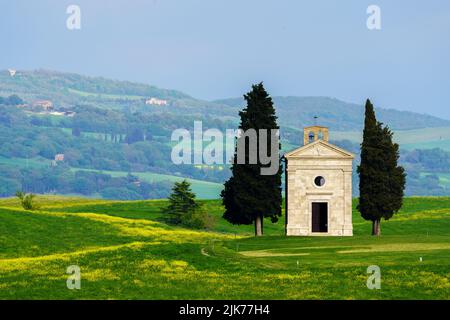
{"x":314,"y":133}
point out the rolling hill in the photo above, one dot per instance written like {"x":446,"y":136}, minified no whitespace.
{"x":338,"y":115}
{"x":113,"y":138}
{"x":124,"y":251}
{"x":68,"y":89}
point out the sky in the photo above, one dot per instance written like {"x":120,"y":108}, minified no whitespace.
{"x":214,"y":49}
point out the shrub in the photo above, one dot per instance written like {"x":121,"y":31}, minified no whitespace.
{"x":26,"y":200}
{"x":198,"y":219}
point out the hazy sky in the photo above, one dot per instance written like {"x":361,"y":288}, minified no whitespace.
{"x":214,"y":49}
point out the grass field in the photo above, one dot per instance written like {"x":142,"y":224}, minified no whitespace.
{"x":36,"y":162}
{"x":444,"y":178}
{"x":203,"y":189}
{"x":427,"y":138}
{"x":125,"y":251}
{"x":106,"y":96}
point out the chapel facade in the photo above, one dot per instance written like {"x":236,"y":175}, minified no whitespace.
{"x":318,"y":187}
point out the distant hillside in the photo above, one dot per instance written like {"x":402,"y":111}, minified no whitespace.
{"x":339,"y":115}
{"x":52,"y":82}
{"x":115,"y":136}
{"x":68,"y":90}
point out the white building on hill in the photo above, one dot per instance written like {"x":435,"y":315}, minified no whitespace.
{"x":155,"y":101}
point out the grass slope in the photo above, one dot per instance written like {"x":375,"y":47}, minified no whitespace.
{"x":203,"y":189}
{"x":125,"y":251}
{"x":425,"y":138}
{"x":106,"y":96}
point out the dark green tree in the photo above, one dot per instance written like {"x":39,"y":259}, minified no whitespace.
{"x":183,"y":208}
{"x":14,"y":100}
{"x":134,"y":135}
{"x":381,"y":179}
{"x":76,"y":131}
{"x":249,"y":196}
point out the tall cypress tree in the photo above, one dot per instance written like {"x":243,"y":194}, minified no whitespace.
{"x":248,"y":195}
{"x":381,"y":179}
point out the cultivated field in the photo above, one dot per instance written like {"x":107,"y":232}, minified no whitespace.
{"x":125,"y":251}
{"x":426,"y":138}
{"x":203,"y":189}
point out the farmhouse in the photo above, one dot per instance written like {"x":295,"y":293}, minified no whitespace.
{"x":47,"y":105}
{"x":318,"y":187}
{"x":59,"y":157}
{"x":155,"y":101}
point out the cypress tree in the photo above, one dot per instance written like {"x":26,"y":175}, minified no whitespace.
{"x":249,"y":196}
{"x":381,"y":179}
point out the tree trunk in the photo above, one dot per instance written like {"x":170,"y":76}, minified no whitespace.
{"x":262,"y":224}
{"x":376,"y":227}
{"x":258,"y":226}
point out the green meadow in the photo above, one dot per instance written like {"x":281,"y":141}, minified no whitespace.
{"x":425,"y":138}
{"x":106,"y":96}
{"x":126,"y":251}
{"x":204,"y":189}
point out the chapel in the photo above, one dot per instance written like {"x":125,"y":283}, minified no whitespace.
{"x":318,"y":187}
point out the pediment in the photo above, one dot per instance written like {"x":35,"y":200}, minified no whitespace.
{"x":319,"y":149}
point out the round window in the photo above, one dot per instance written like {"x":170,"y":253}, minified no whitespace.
{"x":319,"y":181}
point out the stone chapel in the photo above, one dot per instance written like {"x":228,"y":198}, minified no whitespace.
{"x":318,"y":187}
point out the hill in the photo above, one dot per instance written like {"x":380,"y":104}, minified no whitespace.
{"x":339,"y":115}
{"x":116,"y":136}
{"x":124,"y":251}
{"x":64,"y":85}
{"x":68,"y":89}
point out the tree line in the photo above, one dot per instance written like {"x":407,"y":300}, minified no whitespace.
{"x":12,"y":100}
{"x":25,"y":137}
{"x":63,"y":180}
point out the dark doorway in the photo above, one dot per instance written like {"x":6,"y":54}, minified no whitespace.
{"x":320,"y":217}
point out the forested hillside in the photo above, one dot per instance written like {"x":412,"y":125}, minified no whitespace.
{"x":115,"y":136}
{"x":339,"y":115}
